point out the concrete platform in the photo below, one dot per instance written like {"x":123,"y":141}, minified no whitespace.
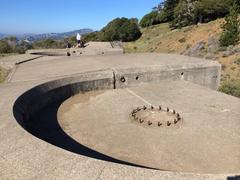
{"x":207,"y":141}
{"x":34,"y":147}
{"x":91,"y":48}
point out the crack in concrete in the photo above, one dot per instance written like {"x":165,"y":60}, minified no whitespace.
{"x":99,"y":176}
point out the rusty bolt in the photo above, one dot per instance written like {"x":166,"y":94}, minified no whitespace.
{"x":152,"y":107}
{"x":141,"y":121}
{"x":160,"y":108}
{"x":122,"y":79}
{"x":159,"y":123}
{"x":175,"y":121}
{"x":168,"y":123}
{"x":149,"y":123}
{"x":167,"y":109}
{"x":179,"y":118}
{"x":174,"y":112}
{"x":178,"y":115}
{"x":144,"y":107}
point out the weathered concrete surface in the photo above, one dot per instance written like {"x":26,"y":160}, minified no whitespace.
{"x":92,"y":48}
{"x":207,"y":141}
{"x":148,"y":67}
{"x":23,"y":156}
{"x":97,"y":48}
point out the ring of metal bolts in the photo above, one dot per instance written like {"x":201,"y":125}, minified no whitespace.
{"x":176,"y":116}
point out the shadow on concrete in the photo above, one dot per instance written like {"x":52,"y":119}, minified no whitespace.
{"x":45,"y":126}
{"x":233,"y":178}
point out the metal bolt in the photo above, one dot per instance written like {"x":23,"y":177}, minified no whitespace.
{"x":178,"y":115}
{"x":179,"y":118}
{"x":149,"y":123}
{"x":160,"y":108}
{"x":159,"y":123}
{"x":174,"y":112}
{"x":122,"y":79}
{"x":168,"y":123}
{"x":152,"y":107}
{"x":175,"y":121}
{"x":144,"y":107}
{"x":167,"y":109}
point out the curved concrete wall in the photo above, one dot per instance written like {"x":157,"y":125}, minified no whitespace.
{"x":39,"y":97}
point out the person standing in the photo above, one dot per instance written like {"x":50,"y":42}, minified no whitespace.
{"x":79,"y":37}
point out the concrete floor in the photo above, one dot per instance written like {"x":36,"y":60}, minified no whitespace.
{"x":28,"y":156}
{"x":207,"y":141}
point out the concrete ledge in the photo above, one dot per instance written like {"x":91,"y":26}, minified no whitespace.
{"x":204,"y":75}
{"x":40,"y":96}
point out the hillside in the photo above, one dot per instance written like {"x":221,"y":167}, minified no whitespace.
{"x":197,"y":40}
{"x":55,"y":36}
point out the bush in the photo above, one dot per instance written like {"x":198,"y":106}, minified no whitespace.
{"x":5,"y":47}
{"x":231,"y":87}
{"x":120,"y":29}
{"x":48,"y":43}
{"x":231,"y":31}
{"x":94,"y":36}
{"x":237,"y":61}
{"x":150,"y":19}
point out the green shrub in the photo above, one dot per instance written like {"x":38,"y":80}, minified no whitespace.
{"x":231,"y":31}
{"x":150,"y":19}
{"x":237,"y":61}
{"x":120,"y":29}
{"x":231,"y":87}
{"x":48,"y":43}
{"x":94,"y":36}
{"x":5,"y":47}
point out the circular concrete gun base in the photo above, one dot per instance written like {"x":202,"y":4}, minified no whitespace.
{"x":203,"y":143}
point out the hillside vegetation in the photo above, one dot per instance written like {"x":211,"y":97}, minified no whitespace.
{"x":197,"y":40}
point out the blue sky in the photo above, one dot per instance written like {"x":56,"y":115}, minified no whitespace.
{"x":44,"y":16}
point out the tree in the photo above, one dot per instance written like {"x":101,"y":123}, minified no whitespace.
{"x":184,"y":14}
{"x":150,"y":19}
{"x":168,"y":9}
{"x":120,"y":29}
{"x":231,"y":31}
{"x":207,"y":10}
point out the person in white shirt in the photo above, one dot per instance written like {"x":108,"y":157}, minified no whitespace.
{"x":79,"y":37}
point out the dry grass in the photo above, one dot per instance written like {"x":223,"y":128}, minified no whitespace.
{"x":161,"y":39}
{"x":3,"y":74}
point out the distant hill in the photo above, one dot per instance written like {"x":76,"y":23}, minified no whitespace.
{"x":55,"y":36}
